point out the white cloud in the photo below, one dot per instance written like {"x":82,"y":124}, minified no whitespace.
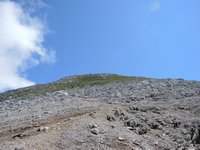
{"x":21,"y":38}
{"x":155,"y":6}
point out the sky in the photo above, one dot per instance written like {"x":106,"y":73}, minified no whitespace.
{"x":42,"y":41}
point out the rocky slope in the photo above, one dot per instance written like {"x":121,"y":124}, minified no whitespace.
{"x":102,"y":112}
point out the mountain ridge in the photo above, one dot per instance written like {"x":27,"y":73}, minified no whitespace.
{"x":64,"y":83}
{"x":76,"y":81}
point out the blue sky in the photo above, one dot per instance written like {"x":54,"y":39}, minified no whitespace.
{"x":151,"y":38}
{"x":124,"y":37}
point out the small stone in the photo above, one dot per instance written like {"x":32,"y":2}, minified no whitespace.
{"x":195,"y":137}
{"x":188,"y":137}
{"x":154,"y":125}
{"x":19,"y":148}
{"x":132,"y":123}
{"x":67,"y":119}
{"x":94,"y":131}
{"x":92,"y":115}
{"x":93,"y":126}
{"x":43,"y":128}
{"x":184,"y":131}
{"x":112,"y":126}
{"x":131,"y":128}
{"x":191,"y":148}
{"x":181,"y":148}
{"x":119,"y":113}
{"x":176,"y":124}
{"x":110,"y":118}
{"x":20,"y":136}
{"x":155,"y":143}
{"x":142,"y":130}
{"x":46,"y":112}
{"x":133,"y":108}
{"x":160,"y":127}
{"x":121,"y":138}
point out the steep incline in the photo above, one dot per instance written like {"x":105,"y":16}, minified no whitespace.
{"x":102,"y":111}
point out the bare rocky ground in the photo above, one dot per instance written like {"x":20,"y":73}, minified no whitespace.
{"x":152,"y":114}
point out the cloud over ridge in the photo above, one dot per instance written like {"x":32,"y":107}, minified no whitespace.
{"x":21,"y":38}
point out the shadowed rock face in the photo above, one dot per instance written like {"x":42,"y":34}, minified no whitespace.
{"x":102,"y":111}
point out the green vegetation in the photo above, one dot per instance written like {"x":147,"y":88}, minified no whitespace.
{"x":68,"y":83}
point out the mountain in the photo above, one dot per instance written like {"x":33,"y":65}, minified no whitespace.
{"x":103,"y":112}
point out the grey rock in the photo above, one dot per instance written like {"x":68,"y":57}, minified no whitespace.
{"x":121,"y":138}
{"x":132,"y":123}
{"x":43,"y":128}
{"x":142,"y":130}
{"x":19,"y":148}
{"x":93,"y":126}
{"x":94,"y":131}
{"x":110,"y":118}
{"x":118,"y":113}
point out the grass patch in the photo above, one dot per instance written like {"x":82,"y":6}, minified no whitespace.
{"x":68,"y":83}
